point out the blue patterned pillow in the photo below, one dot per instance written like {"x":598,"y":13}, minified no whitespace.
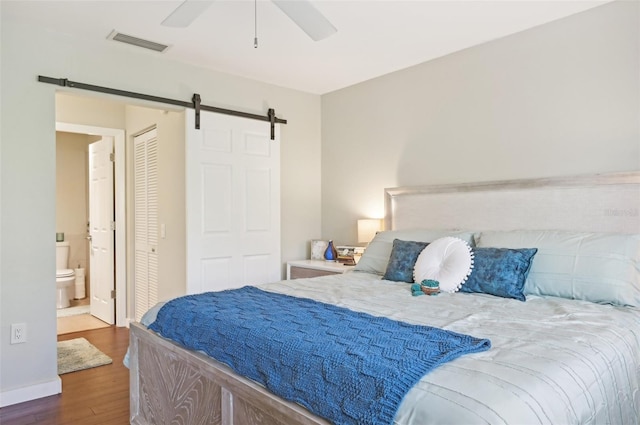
{"x":500,"y":272}
{"x":403,"y":257}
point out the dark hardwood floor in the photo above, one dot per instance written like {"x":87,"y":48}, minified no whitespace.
{"x":89,"y":397}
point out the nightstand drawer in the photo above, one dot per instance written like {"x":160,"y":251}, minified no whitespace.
{"x":314,"y":268}
{"x":302,"y":272}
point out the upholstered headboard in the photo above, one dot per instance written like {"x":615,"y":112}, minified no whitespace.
{"x":591,"y":203}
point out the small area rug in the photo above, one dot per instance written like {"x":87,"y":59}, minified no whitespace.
{"x":78,"y":354}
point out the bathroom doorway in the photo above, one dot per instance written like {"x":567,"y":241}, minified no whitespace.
{"x":81,"y":246}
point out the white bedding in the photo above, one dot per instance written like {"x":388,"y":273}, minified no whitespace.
{"x":552,"y":361}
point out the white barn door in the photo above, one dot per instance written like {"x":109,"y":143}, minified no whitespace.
{"x":233,"y":202}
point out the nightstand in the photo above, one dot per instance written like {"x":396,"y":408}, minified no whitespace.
{"x":314,"y":268}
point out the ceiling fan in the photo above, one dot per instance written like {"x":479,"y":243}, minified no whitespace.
{"x":301,"y":12}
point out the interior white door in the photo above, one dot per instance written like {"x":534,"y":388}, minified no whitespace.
{"x":233,"y":202}
{"x":101,"y":229}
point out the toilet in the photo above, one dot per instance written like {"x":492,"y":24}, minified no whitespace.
{"x":65,"y":277}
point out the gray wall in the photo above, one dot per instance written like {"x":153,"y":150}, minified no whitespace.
{"x":27,"y":171}
{"x":559,"y":99}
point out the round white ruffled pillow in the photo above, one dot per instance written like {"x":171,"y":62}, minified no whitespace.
{"x":448,"y":260}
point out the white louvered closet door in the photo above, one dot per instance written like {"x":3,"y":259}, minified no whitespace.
{"x":146,"y":221}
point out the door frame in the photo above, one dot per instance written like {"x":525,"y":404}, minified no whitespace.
{"x":120,"y":211}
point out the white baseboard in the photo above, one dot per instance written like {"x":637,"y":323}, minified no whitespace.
{"x":32,"y":392}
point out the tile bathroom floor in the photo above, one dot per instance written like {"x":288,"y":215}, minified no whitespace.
{"x":79,"y":322}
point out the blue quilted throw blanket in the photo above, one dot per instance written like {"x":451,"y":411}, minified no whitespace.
{"x":348,"y":367}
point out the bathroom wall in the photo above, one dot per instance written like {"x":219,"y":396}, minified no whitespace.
{"x":72,"y":196}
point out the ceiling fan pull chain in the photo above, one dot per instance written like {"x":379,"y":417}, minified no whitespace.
{"x":255,"y":24}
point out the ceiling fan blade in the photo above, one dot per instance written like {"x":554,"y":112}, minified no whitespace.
{"x":307,"y":17}
{"x":186,"y":13}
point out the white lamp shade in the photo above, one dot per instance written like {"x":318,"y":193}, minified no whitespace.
{"x":367,"y":229}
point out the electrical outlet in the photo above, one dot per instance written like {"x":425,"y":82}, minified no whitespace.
{"x":18,"y":333}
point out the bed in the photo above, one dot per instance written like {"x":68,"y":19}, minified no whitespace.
{"x":569,"y":354}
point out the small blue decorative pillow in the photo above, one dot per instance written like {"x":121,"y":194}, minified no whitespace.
{"x":500,"y":272}
{"x":402,"y":259}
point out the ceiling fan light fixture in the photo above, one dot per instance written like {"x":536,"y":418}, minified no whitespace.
{"x":302,"y":12}
{"x":307,"y":17}
{"x":186,"y":13}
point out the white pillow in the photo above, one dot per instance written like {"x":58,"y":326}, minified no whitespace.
{"x":448,"y":260}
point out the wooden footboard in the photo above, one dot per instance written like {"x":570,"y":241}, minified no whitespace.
{"x":170,"y":384}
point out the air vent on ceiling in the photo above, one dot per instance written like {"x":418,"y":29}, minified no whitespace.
{"x":135,"y":41}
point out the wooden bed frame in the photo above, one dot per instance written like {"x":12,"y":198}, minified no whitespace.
{"x":170,"y":384}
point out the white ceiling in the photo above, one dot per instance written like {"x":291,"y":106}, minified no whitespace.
{"x":373,"y":38}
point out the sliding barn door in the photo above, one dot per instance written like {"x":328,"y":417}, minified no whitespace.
{"x":145,"y":152}
{"x":233,"y":202}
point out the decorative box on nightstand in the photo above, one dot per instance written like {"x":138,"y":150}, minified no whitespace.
{"x":314,"y":268}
